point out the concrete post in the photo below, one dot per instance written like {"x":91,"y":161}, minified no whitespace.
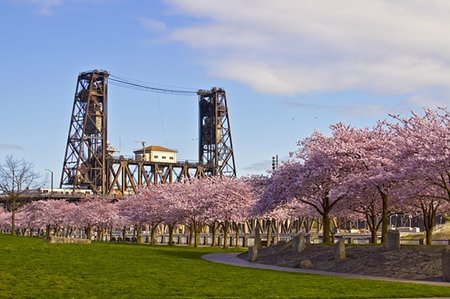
{"x":393,"y":240}
{"x":446,"y":264}
{"x":339,"y":250}
{"x":252,"y":253}
{"x":298,"y":243}
{"x":257,"y":242}
{"x":308,"y":239}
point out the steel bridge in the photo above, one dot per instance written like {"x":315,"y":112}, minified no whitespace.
{"x":90,"y":163}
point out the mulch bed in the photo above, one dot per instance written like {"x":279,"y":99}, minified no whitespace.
{"x":409,"y":262}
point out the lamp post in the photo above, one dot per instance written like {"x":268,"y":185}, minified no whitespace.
{"x":51,"y":184}
{"x":274,"y":162}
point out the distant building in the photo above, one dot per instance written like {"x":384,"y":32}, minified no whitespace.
{"x":156,"y":153}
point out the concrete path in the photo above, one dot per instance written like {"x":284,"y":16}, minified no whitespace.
{"x":232,"y":259}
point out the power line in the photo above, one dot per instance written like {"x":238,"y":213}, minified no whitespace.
{"x":132,"y":84}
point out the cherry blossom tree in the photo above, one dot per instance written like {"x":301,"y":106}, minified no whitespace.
{"x":231,"y":203}
{"x":94,"y":212}
{"x":273,"y":203}
{"x":309,"y":183}
{"x":316,"y":175}
{"x":196,"y":204}
{"x":150,"y":210}
{"x":258,"y":184}
{"x":5,"y":220}
{"x":364,"y":202}
{"x":419,"y":197}
{"x":424,"y":157}
{"x":47,"y":214}
{"x":326,"y":169}
{"x":369,"y":158}
{"x":172,"y":212}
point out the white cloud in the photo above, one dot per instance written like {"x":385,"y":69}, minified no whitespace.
{"x":49,"y":7}
{"x":425,"y":101}
{"x":153,"y":25}
{"x":41,"y":7}
{"x":293,"y":47}
{"x":10,"y":147}
{"x":259,"y":167}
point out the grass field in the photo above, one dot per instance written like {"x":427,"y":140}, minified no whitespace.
{"x":31,"y":268}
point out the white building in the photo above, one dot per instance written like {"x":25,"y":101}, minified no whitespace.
{"x":156,"y":153}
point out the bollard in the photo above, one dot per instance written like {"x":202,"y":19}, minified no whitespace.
{"x":446,"y":264}
{"x":393,"y":240}
{"x":298,"y":243}
{"x":339,"y":250}
{"x":257,"y":243}
{"x":252,"y":253}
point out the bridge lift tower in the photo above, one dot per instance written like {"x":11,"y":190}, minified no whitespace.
{"x":89,"y":165}
{"x":85,"y":162}
{"x":215,"y":145}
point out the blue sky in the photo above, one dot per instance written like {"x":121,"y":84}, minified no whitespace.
{"x":289,"y":67}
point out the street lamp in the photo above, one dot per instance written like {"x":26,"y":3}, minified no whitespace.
{"x":51,"y":174}
{"x":274,"y":162}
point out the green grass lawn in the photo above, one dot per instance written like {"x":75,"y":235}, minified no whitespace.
{"x":31,"y":268}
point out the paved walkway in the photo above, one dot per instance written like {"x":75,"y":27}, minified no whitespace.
{"x":232,"y":259}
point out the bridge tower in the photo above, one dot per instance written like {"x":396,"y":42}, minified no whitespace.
{"x":215,"y":144}
{"x":85,"y":159}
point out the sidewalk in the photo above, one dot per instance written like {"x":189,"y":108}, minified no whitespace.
{"x":232,"y":259}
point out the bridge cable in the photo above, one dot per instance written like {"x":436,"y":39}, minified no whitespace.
{"x":133,"y":84}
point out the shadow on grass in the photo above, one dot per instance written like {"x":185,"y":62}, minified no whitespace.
{"x":191,"y":252}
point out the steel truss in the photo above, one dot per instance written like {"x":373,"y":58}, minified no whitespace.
{"x":89,"y":165}
{"x":127,"y":175}
{"x":86,"y":151}
{"x":215,"y":144}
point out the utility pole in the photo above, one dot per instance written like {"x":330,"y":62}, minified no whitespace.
{"x":143,"y":147}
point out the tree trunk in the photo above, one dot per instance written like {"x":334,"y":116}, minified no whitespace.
{"x":371,"y":223}
{"x":88,"y":233}
{"x":196,"y":232}
{"x":225,"y":234}
{"x":428,"y":235}
{"x":373,"y":237}
{"x":100,"y":234}
{"x":171,"y":228}
{"x":384,"y":217}
{"x":153,"y":233}
{"x":277,"y":231}
{"x":428,"y":222}
{"x":236,"y":232}
{"x":124,"y":234}
{"x":214,"y":234}
{"x":326,"y":228}
{"x":138,"y":235}
{"x":326,"y":221}
{"x":191,"y":234}
{"x":269,"y":232}
{"x":13,"y":220}
{"x":298,"y":225}
{"x":47,"y":231}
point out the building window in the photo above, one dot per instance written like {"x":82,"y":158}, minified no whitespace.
{"x":170,"y":158}
{"x":156,"y":157}
{"x":164,"y":157}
